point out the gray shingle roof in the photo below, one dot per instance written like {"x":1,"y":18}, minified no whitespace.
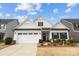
{"x":6,"y":20}
{"x":74,"y":21}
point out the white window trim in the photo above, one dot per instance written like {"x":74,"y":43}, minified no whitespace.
{"x":4,"y":27}
{"x":63,"y":32}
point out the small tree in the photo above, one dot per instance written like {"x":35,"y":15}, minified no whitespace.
{"x":8,"y":40}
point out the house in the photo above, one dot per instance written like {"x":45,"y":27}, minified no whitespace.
{"x":73,"y":25}
{"x":7,"y":28}
{"x":31,"y":31}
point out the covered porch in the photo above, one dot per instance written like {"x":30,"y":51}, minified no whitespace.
{"x":54,"y":34}
{"x":59,"y":31}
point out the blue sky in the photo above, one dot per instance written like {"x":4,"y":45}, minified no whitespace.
{"x":52,"y":12}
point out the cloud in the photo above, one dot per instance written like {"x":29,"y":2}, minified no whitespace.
{"x":55,"y":10}
{"x":0,"y":6}
{"x":0,"y":14}
{"x":60,"y":17}
{"x":52,"y":18}
{"x":21,"y":18}
{"x":23,"y":6}
{"x":71,"y":5}
{"x":68,"y":10}
{"x":38,"y":6}
{"x":32,"y":13}
{"x":7,"y":14}
{"x":29,"y":7}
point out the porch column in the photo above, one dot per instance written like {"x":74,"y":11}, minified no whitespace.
{"x":50,"y":35}
{"x":67,"y":35}
{"x":59,"y":35}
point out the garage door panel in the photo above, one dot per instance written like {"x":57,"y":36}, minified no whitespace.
{"x":29,"y":38}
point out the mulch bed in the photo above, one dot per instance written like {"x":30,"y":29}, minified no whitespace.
{"x":2,"y":45}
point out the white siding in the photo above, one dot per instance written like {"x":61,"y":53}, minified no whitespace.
{"x":45,"y":23}
{"x":60,"y":26}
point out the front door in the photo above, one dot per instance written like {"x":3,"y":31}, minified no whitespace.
{"x":45,"y":35}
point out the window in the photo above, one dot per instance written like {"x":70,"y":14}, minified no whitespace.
{"x":30,"y":33}
{"x":24,"y":33}
{"x":2,"y":26}
{"x":63,"y":35}
{"x":35,"y":33}
{"x":19,"y":33}
{"x":55,"y":35}
{"x":60,"y":35}
{"x":40,"y":23}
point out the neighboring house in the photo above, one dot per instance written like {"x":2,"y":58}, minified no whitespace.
{"x":73,"y":25}
{"x":7,"y":28}
{"x":31,"y":31}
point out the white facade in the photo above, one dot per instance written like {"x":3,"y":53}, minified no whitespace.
{"x":30,"y":32}
{"x":46,"y":24}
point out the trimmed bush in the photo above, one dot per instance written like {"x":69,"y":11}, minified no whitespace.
{"x":8,"y":41}
{"x":40,"y":41}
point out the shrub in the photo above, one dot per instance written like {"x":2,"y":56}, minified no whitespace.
{"x":40,"y":41}
{"x":71,"y":42}
{"x":57,"y":41}
{"x":8,"y":40}
{"x":54,"y":44}
{"x":47,"y":40}
{"x":67,"y":42}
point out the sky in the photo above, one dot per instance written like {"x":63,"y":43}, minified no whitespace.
{"x":53,"y":12}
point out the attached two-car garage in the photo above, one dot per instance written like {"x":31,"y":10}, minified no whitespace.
{"x":27,"y":36}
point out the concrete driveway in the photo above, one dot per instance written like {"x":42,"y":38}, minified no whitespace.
{"x":19,"y":50}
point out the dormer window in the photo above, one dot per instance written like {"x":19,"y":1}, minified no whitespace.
{"x":40,"y":23}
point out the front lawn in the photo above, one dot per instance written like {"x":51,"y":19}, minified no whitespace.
{"x":57,"y":51}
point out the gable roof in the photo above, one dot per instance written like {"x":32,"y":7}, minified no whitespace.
{"x":41,"y":18}
{"x":59,"y":25}
{"x":5,"y":21}
{"x":27,"y":24}
{"x":74,"y":21}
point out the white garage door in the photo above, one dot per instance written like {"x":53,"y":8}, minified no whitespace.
{"x":28,"y":37}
